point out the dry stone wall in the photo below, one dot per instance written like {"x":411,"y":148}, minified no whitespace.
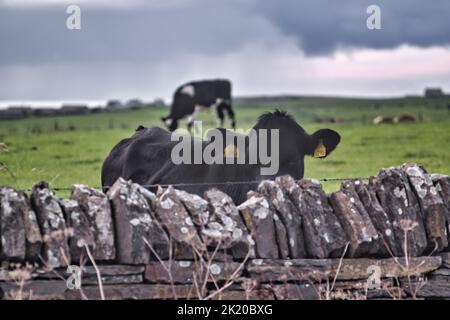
{"x":387,"y":238}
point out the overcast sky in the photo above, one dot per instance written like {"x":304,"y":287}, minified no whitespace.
{"x":146,"y":48}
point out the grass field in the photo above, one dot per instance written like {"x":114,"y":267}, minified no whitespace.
{"x":71,"y":149}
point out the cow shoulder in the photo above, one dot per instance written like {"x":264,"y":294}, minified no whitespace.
{"x":149,"y":145}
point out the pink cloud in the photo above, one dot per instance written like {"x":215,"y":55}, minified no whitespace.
{"x":384,"y":64}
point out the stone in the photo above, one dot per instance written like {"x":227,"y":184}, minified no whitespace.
{"x":197,"y":207}
{"x":379,"y":218}
{"x":294,"y":291}
{"x":112,"y":270}
{"x":117,"y":279}
{"x":96,"y":208}
{"x":137,"y":229}
{"x":90,"y":272}
{"x":282,"y":237}
{"x":176,"y":220}
{"x":291,"y":217}
{"x":181,"y":271}
{"x":12,"y":231}
{"x":24,"y":218}
{"x":364,"y":239}
{"x":4,"y":275}
{"x":266,"y":188}
{"x":435,"y":287}
{"x":323,"y":234}
{"x":358,"y":284}
{"x":445,"y":259}
{"x":224,"y":212}
{"x":346,"y":269}
{"x":16,"y":272}
{"x":258,"y":218}
{"x":442,"y":183}
{"x":434,"y":211}
{"x":110,"y":274}
{"x":185,"y":271}
{"x":55,"y":249}
{"x":441,"y":272}
{"x":288,"y":214}
{"x":89,"y":277}
{"x":134,"y":292}
{"x":82,"y":232}
{"x":214,"y":236}
{"x":359,"y":289}
{"x":220,"y":255}
{"x":34,"y":290}
{"x":400,"y":203}
{"x":261,"y":294}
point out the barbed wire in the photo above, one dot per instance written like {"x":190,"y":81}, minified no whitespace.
{"x":204,"y":184}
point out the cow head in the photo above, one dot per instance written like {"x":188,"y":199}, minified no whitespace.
{"x":170,"y":123}
{"x":295,"y":143}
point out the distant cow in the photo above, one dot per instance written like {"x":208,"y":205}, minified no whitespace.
{"x":191,"y":97}
{"x":381,"y":119}
{"x":405,"y":118}
{"x":145,"y":158}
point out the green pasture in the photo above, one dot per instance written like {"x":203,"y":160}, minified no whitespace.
{"x":71,"y":149}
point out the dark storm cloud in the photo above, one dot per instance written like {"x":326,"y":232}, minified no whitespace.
{"x":37,"y":34}
{"x":32,"y":35}
{"x":322,"y":26}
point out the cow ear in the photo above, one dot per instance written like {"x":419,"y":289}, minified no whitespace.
{"x":324,"y":141}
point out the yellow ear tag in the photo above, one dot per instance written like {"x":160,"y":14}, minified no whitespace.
{"x":231,"y":151}
{"x":320,"y":151}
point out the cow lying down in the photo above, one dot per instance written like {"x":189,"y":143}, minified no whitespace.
{"x":275,"y":146}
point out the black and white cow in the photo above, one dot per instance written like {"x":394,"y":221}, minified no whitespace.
{"x":193,"y":96}
{"x":146,"y":158}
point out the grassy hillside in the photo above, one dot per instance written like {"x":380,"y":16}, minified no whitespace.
{"x":71,"y":149}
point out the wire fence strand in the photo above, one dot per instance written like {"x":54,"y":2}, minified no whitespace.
{"x":222,"y":183}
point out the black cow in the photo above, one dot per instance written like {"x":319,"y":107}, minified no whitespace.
{"x":145,"y":158}
{"x":191,"y":97}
